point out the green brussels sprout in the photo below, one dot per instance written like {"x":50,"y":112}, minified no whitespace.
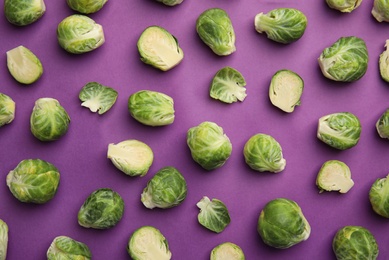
{"x":158,"y":48}
{"x":286,"y":88}
{"x":97,"y":97}
{"x":354,"y":243}
{"x":24,"y":65}
{"x":148,"y":243}
{"x":209,"y":145}
{"x":345,"y":6}
{"x":64,"y":247}
{"x":384,"y":63}
{"x":345,"y":60}
{"x":283,"y":25}
{"x":228,"y":251}
{"x":215,"y":29}
{"x":379,"y":196}
{"x":3,"y":240}
{"x":86,"y":6}
{"x":132,"y":157}
{"x":263,"y":153}
{"x":49,"y":120}
{"x":213,"y":214}
{"x":382,"y":125}
{"x":78,"y":34}
{"x":228,"y":86}
{"x":22,"y":12}
{"x":282,"y":224}
{"x":170,"y":2}
{"x":33,"y":181}
{"x":7,"y":109}
{"x":151,"y":108}
{"x":380,"y":10}
{"x":334,"y":175}
{"x":166,"y":189}
{"x":102,"y":209}
{"x":339,"y":130}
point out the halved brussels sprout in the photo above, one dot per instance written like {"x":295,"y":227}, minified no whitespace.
{"x":22,"y":12}
{"x":382,"y":125}
{"x":86,"y":6}
{"x":79,"y":34}
{"x":345,"y":60}
{"x":345,"y":6}
{"x":147,"y":243}
{"x":3,"y":240}
{"x":339,"y":130}
{"x":380,"y":10}
{"x":7,"y":109}
{"x":283,"y":25}
{"x":213,"y":214}
{"x":132,"y":157}
{"x":286,"y":88}
{"x":379,"y":196}
{"x":227,"y":251}
{"x":64,"y":247}
{"x":97,"y":97}
{"x":334,"y":175}
{"x":170,"y":2}
{"x":33,"y":181}
{"x":215,"y":29}
{"x":384,"y":63}
{"x":228,"y":86}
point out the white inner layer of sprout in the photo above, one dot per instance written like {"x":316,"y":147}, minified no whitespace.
{"x":136,"y":154}
{"x":23,"y":65}
{"x":335,"y":177}
{"x":150,"y":246}
{"x":285,"y":90}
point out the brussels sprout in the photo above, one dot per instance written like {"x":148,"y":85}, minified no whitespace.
{"x":382,"y":125}
{"x":263,"y":153}
{"x":3,"y":240}
{"x":97,"y":97}
{"x":79,"y":34}
{"x":345,"y":60}
{"x":166,"y":189}
{"x":379,"y":196}
{"x":132,"y":157}
{"x":286,"y":88}
{"x":354,"y":243}
{"x":384,"y":63}
{"x":170,"y":2}
{"x":226,"y":251}
{"x":86,"y":6}
{"x":7,"y":109}
{"x":339,"y":130}
{"x":64,"y":247}
{"x":209,"y":145}
{"x":33,"y":181}
{"x":213,"y":214}
{"x":49,"y":120}
{"x":158,"y":48}
{"x":380,"y":10}
{"x":22,"y":12}
{"x":334,"y":175}
{"x":215,"y":29}
{"x":283,"y":25}
{"x":151,"y":108}
{"x":282,"y":224}
{"x":345,"y":6}
{"x":23,"y":65}
{"x":148,"y":243}
{"x":102,"y":209}
{"x":228,"y":86}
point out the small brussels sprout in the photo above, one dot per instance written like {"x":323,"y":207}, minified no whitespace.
{"x":354,"y":242}
{"x":49,"y":120}
{"x":228,"y":86}
{"x":339,"y":130}
{"x":151,"y":108}
{"x":228,"y":251}
{"x":283,"y":25}
{"x":286,"y":88}
{"x":345,"y":6}
{"x":213,"y":214}
{"x":345,"y":60}
{"x":79,"y":34}
{"x":170,"y":2}
{"x":334,"y":175}
{"x":166,"y":189}
{"x":97,"y":97}
{"x":158,"y":48}
{"x":282,"y":224}
{"x":22,"y":12}
{"x":33,"y":181}
{"x":380,"y":10}
{"x":86,"y":6}
{"x":379,"y":196}
{"x":215,"y":29}
{"x":64,"y":247}
{"x":7,"y":109}
{"x":384,"y":63}
{"x":382,"y":125}
{"x":132,"y":157}
{"x":3,"y":240}
{"x":24,"y":65}
{"x":147,"y":243}
{"x":263,"y":153}
{"x":102,"y":209}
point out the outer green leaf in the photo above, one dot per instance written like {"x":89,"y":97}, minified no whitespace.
{"x":228,"y":251}
{"x":345,"y":6}
{"x":98,"y":97}
{"x":7,"y":109}
{"x":382,"y":125}
{"x":64,"y":247}
{"x":213,"y":214}
{"x":86,"y":6}
{"x":380,"y":10}
{"x":228,"y":85}
{"x":23,"y":12}
{"x":3,"y":240}
{"x":379,"y":196}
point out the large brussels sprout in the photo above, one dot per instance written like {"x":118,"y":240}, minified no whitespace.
{"x":354,"y":243}
{"x":334,"y":175}
{"x":97,"y":97}
{"x":339,"y":130}
{"x":345,"y":6}
{"x":23,"y":12}
{"x":345,"y":60}
{"x":166,"y":189}
{"x":380,"y":10}
{"x":64,"y":247}
{"x":86,"y":6}
{"x":147,"y":243}
{"x":170,"y":2}
{"x":102,"y":209}
{"x":215,"y":29}
{"x":263,"y":153}
{"x":283,"y":25}
{"x":379,"y":196}
{"x":382,"y":125}
{"x":33,"y":181}
{"x":282,"y":224}
{"x":3,"y":240}
{"x":227,"y":251}
{"x":213,"y":214}
{"x":151,"y":108}
{"x":7,"y":109}
{"x":49,"y":120}
{"x":209,"y":145}
{"x":79,"y":34}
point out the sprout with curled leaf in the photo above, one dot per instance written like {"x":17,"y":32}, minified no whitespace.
{"x":334,"y":175}
{"x":7,"y":109}
{"x":344,"y":6}
{"x":97,"y":97}
{"x":22,"y":12}
{"x":86,"y":6}
{"x":64,"y":247}
{"x":228,"y":85}
{"x":379,"y":196}
{"x":380,"y":10}
{"x":3,"y":240}
{"x":227,"y":250}
{"x":382,"y":125}
{"x":213,"y":214}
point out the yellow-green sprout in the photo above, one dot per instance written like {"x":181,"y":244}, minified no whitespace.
{"x":24,"y":65}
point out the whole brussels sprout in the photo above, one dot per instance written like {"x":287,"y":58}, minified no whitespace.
{"x":7,"y":109}
{"x":334,"y":175}
{"x":227,"y":250}
{"x":213,"y":214}
{"x":22,"y":12}
{"x":64,"y":247}
{"x":170,"y":2}
{"x":345,"y":6}
{"x":379,"y":196}
{"x":382,"y":125}
{"x":86,"y":6}
{"x":33,"y":181}
{"x":3,"y":240}
{"x":380,"y":10}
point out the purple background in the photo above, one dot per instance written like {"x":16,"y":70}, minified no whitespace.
{"x":81,"y":154}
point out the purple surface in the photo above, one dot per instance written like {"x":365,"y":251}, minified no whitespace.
{"x":81,"y":154}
